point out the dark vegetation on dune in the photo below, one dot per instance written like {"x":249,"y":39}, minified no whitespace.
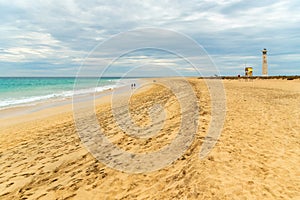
{"x":254,"y":77}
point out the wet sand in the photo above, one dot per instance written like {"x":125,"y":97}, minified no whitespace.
{"x":256,"y":157}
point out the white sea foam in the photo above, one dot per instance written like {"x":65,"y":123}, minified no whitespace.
{"x":24,"y":101}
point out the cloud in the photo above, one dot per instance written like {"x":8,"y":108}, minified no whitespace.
{"x":58,"y":35}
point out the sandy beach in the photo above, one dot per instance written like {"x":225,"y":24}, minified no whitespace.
{"x":256,"y":157}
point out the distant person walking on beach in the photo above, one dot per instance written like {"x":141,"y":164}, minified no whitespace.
{"x":133,"y":85}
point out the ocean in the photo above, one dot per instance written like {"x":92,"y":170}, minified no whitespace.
{"x":20,"y":91}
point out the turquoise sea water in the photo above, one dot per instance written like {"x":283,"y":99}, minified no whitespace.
{"x":22,"y":91}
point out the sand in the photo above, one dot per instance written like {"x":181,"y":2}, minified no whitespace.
{"x":256,"y":157}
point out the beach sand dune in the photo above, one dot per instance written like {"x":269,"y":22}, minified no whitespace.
{"x":257,"y":155}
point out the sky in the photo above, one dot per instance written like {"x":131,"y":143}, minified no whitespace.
{"x":56,"y":38}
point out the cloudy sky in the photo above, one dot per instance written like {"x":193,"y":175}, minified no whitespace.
{"x":54,"y":38}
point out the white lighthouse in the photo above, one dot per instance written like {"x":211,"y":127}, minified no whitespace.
{"x":264,"y":63}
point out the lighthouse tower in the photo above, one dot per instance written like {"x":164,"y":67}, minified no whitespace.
{"x":264,"y":63}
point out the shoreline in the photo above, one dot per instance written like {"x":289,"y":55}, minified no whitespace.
{"x":64,"y":104}
{"x":58,"y":89}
